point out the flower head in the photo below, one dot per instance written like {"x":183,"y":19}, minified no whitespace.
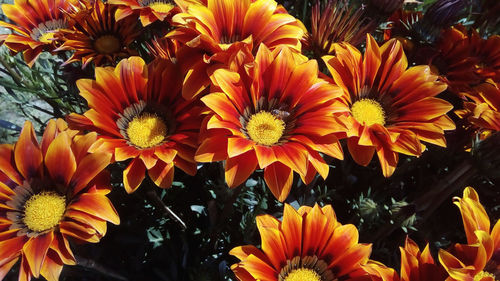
{"x":223,"y":27}
{"x":96,"y":35}
{"x":482,"y":109}
{"x":139,"y":114}
{"x":479,"y":259}
{"x":392,"y":108}
{"x":37,"y":25}
{"x":274,"y":114}
{"x":149,"y":10}
{"x":51,"y":192}
{"x":308,"y":244}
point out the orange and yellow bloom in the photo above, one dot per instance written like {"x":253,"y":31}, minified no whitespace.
{"x":222,"y":27}
{"x":479,"y":259}
{"x":483,"y":108}
{"x":51,"y":192}
{"x":392,"y":108}
{"x":139,"y":113}
{"x":96,"y":36}
{"x":308,"y":244}
{"x":149,"y":10}
{"x":275,"y":115}
{"x":37,"y":24}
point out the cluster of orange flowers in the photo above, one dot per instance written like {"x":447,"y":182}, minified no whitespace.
{"x":226,"y":81}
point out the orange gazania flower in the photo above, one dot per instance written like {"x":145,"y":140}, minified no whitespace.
{"x":97,"y":36}
{"x":308,"y":244}
{"x":222,"y":27}
{"x":37,"y":24}
{"x":50,"y":192}
{"x":276,"y":117}
{"x":483,"y":108}
{"x":149,"y":10}
{"x":392,"y":108}
{"x":416,"y":265}
{"x":139,"y":113}
{"x":479,"y":259}
{"x":465,"y":60}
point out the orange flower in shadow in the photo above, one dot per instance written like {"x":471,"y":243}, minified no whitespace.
{"x":50,"y":192}
{"x":479,"y":259}
{"x":37,"y":25}
{"x":139,"y":113}
{"x":416,"y":265}
{"x":273,"y":114}
{"x":308,"y":244}
{"x":222,"y":27}
{"x":149,"y":10}
{"x":483,"y":107}
{"x":392,"y":108}
{"x":96,"y":35}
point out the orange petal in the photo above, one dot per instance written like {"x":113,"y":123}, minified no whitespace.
{"x":6,"y":163}
{"x":97,"y":205}
{"x":292,"y":231}
{"x":35,"y":251}
{"x":162,"y":174}
{"x":59,"y":160}
{"x":52,"y":267}
{"x":88,"y":168}
{"x":279,"y":179}
{"x":5,"y":268}
{"x":239,"y":168}
{"x":360,"y":154}
{"x":133,"y":175}
{"x":27,"y":152}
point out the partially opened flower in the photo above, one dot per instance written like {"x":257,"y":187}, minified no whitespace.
{"x":49,"y":193}
{"x":392,"y":108}
{"x":336,"y":22}
{"x":416,"y":265}
{"x":483,"y":107}
{"x":149,"y":10}
{"x":308,"y":244}
{"x":275,"y":115}
{"x":96,"y":35}
{"x":37,"y":24}
{"x":479,"y":259}
{"x":222,"y":27}
{"x":139,"y":113}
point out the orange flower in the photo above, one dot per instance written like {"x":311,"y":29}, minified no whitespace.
{"x":50,"y":192}
{"x":149,"y":10}
{"x":483,"y":110}
{"x":276,"y":116}
{"x":222,"y":27}
{"x":37,"y":25}
{"x":392,"y":108}
{"x":415,"y":266}
{"x":97,"y":37}
{"x":479,"y":259}
{"x":139,"y":113}
{"x":465,"y":59}
{"x":308,"y":244}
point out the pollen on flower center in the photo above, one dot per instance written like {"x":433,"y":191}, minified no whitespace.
{"x":484,"y":274}
{"x":43,"y":211}
{"x":303,"y":274}
{"x":264,"y":128}
{"x":107,"y":44}
{"x":44,"y":32}
{"x":146,"y":130}
{"x":161,"y":7}
{"x":368,"y":112}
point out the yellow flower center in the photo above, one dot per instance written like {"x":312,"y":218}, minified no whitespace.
{"x":44,"y":211}
{"x":161,"y":7}
{"x":146,"y":130}
{"x":107,"y":44}
{"x":303,"y":274}
{"x":368,"y":112}
{"x":264,"y":128}
{"x":484,"y":274}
